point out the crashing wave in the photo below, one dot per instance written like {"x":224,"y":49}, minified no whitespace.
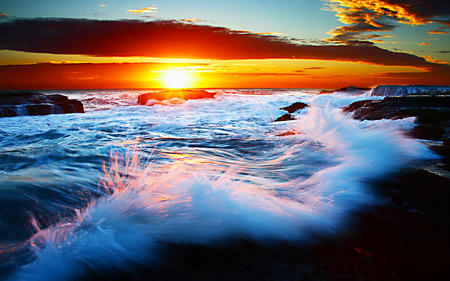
{"x":399,"y":90}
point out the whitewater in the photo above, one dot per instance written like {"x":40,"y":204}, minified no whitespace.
{"x":108,"y":189}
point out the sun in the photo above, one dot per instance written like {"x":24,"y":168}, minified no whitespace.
{"x":177,"y":79}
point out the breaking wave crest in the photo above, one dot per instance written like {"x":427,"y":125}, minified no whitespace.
{"x":150,"y":205}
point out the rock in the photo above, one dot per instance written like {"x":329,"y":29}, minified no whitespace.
{"x":432,"y":112}
{"x":25,"y":103}
{"x":326,"y":92}
{"x":285,"y":117}
{"x":183,"y":94}
{"x":294,"y":107}
{"x":289,"y":133}
{"x":400,"y":107}
{"x":350,"y":90}
{"x":399,"y":90}
{"x":291,"y":109}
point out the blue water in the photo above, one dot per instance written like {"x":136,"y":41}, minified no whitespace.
{"x":108,"y":188}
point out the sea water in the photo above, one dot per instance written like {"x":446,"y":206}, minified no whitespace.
{"x":109,"y":188}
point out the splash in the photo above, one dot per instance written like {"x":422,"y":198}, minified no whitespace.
{"x":150,"y":205}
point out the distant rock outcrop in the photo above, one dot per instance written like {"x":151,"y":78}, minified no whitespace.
{"x":24,"y":104}
{"x":351,"y":90}
{"x":167,"y":95}
{"x":399,"y":90}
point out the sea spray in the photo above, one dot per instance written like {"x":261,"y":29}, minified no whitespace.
{"x":152,"y":204}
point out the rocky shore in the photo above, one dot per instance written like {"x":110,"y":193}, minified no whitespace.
{"x":406,"y":238}
{"x":25,"y":104}
{"x":403,"y":238}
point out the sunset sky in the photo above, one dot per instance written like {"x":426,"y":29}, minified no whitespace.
{"x":88,"y":44}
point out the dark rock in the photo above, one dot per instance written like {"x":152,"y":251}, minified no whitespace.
{"x":426,"y":107}
{"x":58,"y":98}
{"x":294,"y":107}
{"x":350,"y":89}
{"x":291,"y":109}
{"x":353,"y":89}
{"x":407,"y":239}
{"x":326,"y":92}
{"x":23,"y":104}
{"x":432,"y":114}
{"x":285,"y":117}
{"x":183,"y":94}
{"x":43,"y":109}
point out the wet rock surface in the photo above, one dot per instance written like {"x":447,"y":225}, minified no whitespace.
{"x":285,"y":117}
{"x":350,"y":90}
{"x":294,"y":107}
{"x":25,"y":104}
{"x":182,"y":94}
{"x":291,"y":109}
{"x":432,"y":112}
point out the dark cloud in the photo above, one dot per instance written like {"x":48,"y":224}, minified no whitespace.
{"x":315,"y":67}
{"x":171,"y":39}
{"x":381,"y":16}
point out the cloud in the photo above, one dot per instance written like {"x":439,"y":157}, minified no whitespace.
{"x":432,"y":60}
{"x":192,"y":20}
{"x":381,"y":16}
{"x":143,"y":10}
{"x":315,"y":67}
{"x":2,"y":15}
{"x":425,"y":44}
{"x":437,"y":32}
{"x":172,"y":39}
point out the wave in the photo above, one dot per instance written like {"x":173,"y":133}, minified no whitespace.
{"x":150,"y":205}
{"x":400,"y":90}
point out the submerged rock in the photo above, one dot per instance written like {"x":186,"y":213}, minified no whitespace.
{"x":182,"y":94}
{"x":24,"y":104}
{"x":285,"y":117}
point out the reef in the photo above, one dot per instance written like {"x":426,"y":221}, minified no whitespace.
{"x":27,"y":103}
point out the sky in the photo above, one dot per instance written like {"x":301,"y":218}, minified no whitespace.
{"x":89,"y":44}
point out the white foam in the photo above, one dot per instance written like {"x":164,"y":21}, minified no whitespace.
{"x":152,"y":205}
{"x":400,"y":90}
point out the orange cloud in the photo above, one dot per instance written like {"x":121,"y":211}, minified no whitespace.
{"x":192,"y":20}
{"x":143,"y":10}
{"x":425,"y":44}
{"x":364,"y":16}
{"x":432,"y":60}
{"x":437,"y":32}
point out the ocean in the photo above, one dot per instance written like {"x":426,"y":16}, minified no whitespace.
{"x":108,"y":189}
